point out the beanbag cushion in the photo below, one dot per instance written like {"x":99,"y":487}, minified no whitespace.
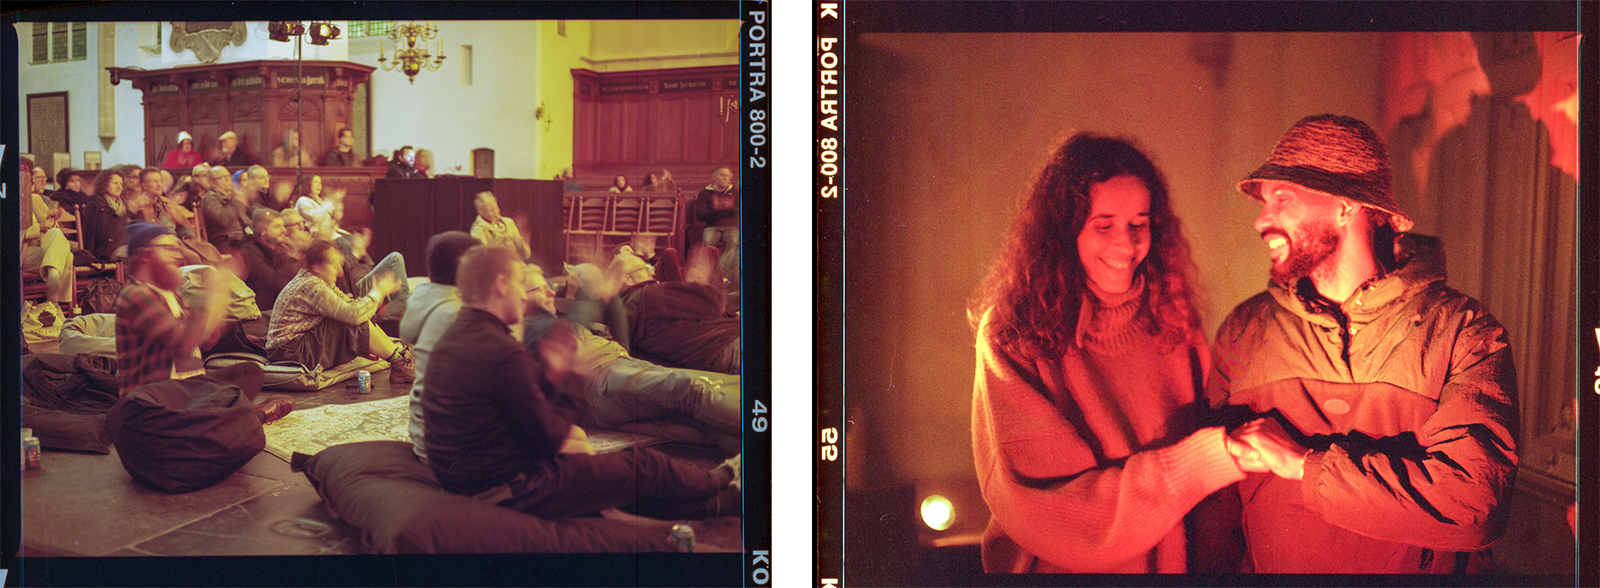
{"x":184,"y":435}
{"x":381,"y":488}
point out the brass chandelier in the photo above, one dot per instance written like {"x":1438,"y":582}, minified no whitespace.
{"x":411,"y":59}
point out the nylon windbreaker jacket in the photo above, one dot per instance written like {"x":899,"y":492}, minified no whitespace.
{"x":1406,"y":395}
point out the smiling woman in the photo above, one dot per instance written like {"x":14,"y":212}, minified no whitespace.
{"x":1085,"y":431}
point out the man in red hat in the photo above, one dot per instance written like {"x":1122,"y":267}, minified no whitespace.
{"x":1385,"y":440}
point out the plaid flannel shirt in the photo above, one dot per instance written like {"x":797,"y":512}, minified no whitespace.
{"x":150,"y":339}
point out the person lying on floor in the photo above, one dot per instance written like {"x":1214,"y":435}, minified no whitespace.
{"x":683,"y":323}
{"x":632,"y":394}
{"x":159,"y":336}
{"x":315,"y":324}
{"x":500,"y":422}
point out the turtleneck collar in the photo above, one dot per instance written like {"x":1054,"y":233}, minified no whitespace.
{"x":1106,"y":320}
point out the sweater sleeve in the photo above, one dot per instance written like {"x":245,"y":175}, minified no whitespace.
{"x":1450,"y":488}
{"x":331,"y":303}
{"x":1050,"y":492}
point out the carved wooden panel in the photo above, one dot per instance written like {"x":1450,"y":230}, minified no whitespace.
{"x":246,"y":108}
{"x":256,"y":100}
{"x":162,"y":114}
{"x":679,"y":119}
{"x":205,"y":111}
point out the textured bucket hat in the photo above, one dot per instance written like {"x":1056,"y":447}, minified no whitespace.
{"x":1335,"y":155}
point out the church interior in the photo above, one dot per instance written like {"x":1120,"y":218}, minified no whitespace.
{"x":594,"y":136}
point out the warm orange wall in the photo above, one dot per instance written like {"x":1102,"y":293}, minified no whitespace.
{"x":949,"y":129}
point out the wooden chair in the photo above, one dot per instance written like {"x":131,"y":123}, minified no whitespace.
{"x":585,"y":237}
{"x":625,"y":213}
{"x":85,"y":273}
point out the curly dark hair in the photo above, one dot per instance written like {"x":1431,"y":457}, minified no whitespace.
{"x":104,"y":178}
{"x":1035,"y":286}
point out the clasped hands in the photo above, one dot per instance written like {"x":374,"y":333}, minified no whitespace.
{"x":1262,"y":445}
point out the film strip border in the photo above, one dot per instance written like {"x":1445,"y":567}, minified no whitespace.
{"x":828,"y":183}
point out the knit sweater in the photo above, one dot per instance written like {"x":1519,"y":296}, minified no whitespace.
{"x":1089,"y":461}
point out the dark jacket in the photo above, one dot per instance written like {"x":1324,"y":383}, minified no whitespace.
{"x":70,"y":200}
{"x":1406,"y":395}
{"x":103,"y":229}
{"x":226,"y":219}
{"x":336,"y":158}
{"x":399,"y":169}
{"x":270,"y":270}
{"x":238,"y":159}
{"x":683,"y":323}
{"x":712,"y":213}
{"x":489,"y":412}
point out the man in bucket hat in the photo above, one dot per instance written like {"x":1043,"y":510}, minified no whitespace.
{"x":1383,"y":400}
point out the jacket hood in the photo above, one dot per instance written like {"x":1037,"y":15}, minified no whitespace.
{"x":1418,"y":264}
{"x":422,"y":302}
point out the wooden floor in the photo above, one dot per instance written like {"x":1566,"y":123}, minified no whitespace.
{"x":85,"y":504}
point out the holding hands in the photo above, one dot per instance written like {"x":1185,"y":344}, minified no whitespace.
{"x":1262,"y":445}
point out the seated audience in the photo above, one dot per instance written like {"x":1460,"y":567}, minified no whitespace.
{"x":163,"y":210}
{"x":500,"y":421}
{"x":70,"y":190}
{"x":269,"y":262}
{"x":296,"y":236}
{"x":650,"y":183}
{"x":620,"y":184}
{"x":430,"y":311}
{"x":716,"y":208}
{"x":289,"y":153}
{"x":343,"y":153}
{"x":104,"y":217}
{"x":228,"y":152}
{"x":402,"y":165}
{"x":492,"y":229}
{"x":424,"y":166}
{"x":313,"y":208}
{"x":315,"y":324}
{"x":226,"y":214}
{"x":198,"y":183}
{"x":257,"y":186}
{"x":357,"y":262}
{"x":184,"y":155}
{"x":40,"y":180}
{"x":685,"y":323}
{"x":159,"y":337}
{"x":622,"y":391}
{"x":45,"y":248}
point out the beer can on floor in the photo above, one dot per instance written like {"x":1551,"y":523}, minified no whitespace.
{"x":30,"y":452}
{"x":363,"y":381}
{"x":683,"y":538}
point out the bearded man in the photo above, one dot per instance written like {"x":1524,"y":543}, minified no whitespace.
{"x":1386,"y":442}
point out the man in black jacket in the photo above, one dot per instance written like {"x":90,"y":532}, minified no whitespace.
{"x":499,"y":421}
